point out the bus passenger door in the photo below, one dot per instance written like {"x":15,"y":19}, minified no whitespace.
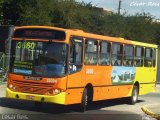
{"x":75,"y":81}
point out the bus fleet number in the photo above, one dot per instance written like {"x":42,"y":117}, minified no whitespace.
{"x":25,"y":45}
{"x":89,"y":71}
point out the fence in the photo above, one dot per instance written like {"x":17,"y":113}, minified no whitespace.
{"x":3,"y":68}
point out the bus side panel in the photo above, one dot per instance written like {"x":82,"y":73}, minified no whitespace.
{"x":110,"y":92}
{"x":146,"y":88}
{"x":94,"y":75}
{"x":146,"y":78}
{"x":74,"y":96}
{"x":110,"y":82}
{"x":119,"y":83}
{"x":98,"y":75}
{"x":145,"y":75}
{"x":75,"y":87}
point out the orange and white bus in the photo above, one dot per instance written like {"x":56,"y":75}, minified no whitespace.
{"x":65,"y":66}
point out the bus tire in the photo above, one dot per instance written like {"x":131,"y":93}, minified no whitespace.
{"x":84,"y":101}
{"x":134,"y":96}
{"x":90,"y":95}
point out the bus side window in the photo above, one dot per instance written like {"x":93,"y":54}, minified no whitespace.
{"x":91,"y":48}
{"x":104,"y":56}
{"x":128,"y":55}
{"x":154,"y":57}
{"x":75,"y":61}
{"x":117,"y":50}
{"x":148,"y":57}
{"x":139,"y":53}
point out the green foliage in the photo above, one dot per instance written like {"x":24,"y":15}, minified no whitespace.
{"x":26,"y":12}
{"x":75,"y":15}
{"x":1,"y":13}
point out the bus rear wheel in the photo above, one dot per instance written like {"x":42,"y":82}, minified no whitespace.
{"x":134,"y":97}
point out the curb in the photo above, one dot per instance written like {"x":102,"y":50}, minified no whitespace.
{"x":150,"y":113}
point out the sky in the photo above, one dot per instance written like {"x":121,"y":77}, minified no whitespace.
{"x":129,"y":6}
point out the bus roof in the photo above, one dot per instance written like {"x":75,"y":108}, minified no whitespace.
{"x":112,"y":39}
{"x":81,"y":33}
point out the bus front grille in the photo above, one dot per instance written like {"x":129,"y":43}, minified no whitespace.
{"x":32,"y":87}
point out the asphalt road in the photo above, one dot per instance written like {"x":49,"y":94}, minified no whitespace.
{"x":117,"y":109}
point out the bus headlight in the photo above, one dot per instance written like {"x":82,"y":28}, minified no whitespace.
{"x":56,"y":91}
{"x":14,"y":87}
{"x":51,"y":92}
{"x":10,"y":86}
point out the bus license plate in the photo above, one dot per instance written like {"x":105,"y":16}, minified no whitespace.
{"x":29,"y":97}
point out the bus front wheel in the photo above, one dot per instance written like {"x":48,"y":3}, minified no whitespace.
{"x":84,"y":101}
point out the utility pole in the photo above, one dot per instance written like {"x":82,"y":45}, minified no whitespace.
{"x":119,"y":7}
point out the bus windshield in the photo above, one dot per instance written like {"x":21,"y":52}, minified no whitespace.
{"x":45,"y":59}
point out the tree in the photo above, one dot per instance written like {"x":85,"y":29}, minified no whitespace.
{"x":80,"y":15}
{"x":27,"y":12}
{"x":1,"y":13}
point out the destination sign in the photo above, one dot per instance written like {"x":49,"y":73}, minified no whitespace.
{"x":39,"y":33}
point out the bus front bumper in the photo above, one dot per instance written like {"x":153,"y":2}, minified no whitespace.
{"x":58,"y":99}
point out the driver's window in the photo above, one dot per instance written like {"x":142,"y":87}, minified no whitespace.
{"x":76,"y":45}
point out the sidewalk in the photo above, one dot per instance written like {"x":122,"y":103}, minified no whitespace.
{"x":153,"y":110}
{"x":3,"y":90}
{"x":157,"y":88}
